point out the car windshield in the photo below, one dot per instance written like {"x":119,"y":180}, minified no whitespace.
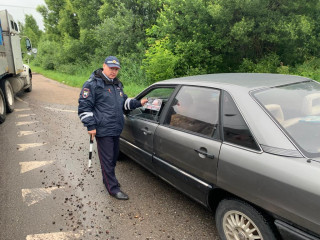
{"x":296,"y":107}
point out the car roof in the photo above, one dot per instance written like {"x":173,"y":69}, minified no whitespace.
{"x":248,"y":81}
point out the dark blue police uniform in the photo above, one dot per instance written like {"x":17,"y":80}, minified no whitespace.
{"x":101,"y":105}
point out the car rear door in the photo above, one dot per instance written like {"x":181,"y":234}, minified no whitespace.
{"x":187,"y":145}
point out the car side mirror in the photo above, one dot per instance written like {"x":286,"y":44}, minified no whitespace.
{"x":28,"y":45}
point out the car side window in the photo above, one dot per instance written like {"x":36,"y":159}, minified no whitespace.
{"x":157,"y":98}
{"x":235,"y":129}
{"x":195,"y":109}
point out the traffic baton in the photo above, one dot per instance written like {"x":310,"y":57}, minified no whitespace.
{"x":90,"y":151}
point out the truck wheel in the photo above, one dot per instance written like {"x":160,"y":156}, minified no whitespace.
{"x":8,"y":94}
{"x":29,"y":89}
{"x":238,"y":220}
{"x":2,"y":107}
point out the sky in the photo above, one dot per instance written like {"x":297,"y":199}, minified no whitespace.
{"x":18,"y":8}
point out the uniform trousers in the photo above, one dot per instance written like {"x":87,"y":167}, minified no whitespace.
{"x":108,"y":150}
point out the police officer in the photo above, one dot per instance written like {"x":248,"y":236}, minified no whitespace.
{"x":101,"y":105}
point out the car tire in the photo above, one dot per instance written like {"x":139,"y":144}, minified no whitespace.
{"x":236,"y":219}
{"x":7,"y":91}
{"x":29,"y":89}
{"x":2,"y":107}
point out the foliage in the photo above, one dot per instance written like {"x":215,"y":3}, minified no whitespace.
{"x":48,"y":57}
{"x":71,"y":80}
{"x":30,"y":30}
{"x":131,"y":73}
{"x":78,"y":79}
{"x":190,"y":37}
{"x":51,"y":17}
{"x":269,"y":64}
{"x":310,"y":68}
{"x":160,"y":39}
{"x":118,"y":34}
{"x":68,"y":21}
{"x":160,"y":61}
{"x":86,"y":12}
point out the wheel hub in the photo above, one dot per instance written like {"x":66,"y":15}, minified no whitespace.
{"x":240,"y":234}
{"x":238,"y":226}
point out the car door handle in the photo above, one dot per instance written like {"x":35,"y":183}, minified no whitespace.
{"x":146,"y":131}
{"x":204,"y":153}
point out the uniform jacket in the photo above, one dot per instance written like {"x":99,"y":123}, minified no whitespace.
{"x":101,"y":105}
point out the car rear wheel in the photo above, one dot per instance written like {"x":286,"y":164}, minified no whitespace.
{"x":2,"y":107}
{"x":7,"y":90}
{"x":238,"y":220}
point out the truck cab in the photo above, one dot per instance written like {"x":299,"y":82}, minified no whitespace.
{"x":14,"y":75}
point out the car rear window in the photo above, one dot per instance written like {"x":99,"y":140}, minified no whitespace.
{"x":195,"y":109}
{"x":296,"y":108}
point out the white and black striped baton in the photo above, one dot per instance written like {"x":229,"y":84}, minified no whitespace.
{"x":90,"y":151}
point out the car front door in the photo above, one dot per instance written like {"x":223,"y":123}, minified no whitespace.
{"x":136,"y":139}
{"x":187,"y":144}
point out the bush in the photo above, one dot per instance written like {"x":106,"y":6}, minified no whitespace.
{"x":310,"y":69}
{"x":119,"y":35}
{"x":131,"y":72}
{"x":268,"y":64}
{"x":68,"y":68}
{"x":73,"y":51}
{"x":48,"y":55}
{"x":160,"y":62}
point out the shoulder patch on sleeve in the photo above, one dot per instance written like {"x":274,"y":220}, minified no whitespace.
{"x":85,"y":92}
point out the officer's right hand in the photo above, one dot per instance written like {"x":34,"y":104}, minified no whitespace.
{"x":144,"y":101}
{"x":92,"y":133}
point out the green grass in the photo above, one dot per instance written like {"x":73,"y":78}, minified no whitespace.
{"x":71,"y":80}
{"x":133,"y":90}
{"x":78,"y":80}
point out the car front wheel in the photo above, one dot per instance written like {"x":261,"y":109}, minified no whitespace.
{"x":238,"y":220}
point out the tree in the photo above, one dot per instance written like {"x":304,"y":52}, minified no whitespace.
{"x":68,"y":21}
{"x":217,"y":36}
{"x":188,"y":36}
{"x":119,"y":34}
{"x":51,"y":17}
{"x":87,"y":12}
{"x":188,"y":26}
{"x":160,"y":62}
{"x":122,"y":31}
{"x":31,"y":30}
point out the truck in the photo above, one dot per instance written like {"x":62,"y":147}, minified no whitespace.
{"x":14,"y":75}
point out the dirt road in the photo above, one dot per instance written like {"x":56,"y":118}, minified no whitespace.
{"x":47,"y":192}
